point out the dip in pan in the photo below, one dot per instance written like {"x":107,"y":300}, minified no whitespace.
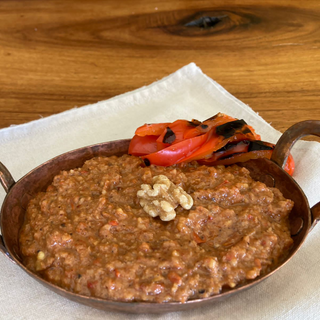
{"x":89,"y":234}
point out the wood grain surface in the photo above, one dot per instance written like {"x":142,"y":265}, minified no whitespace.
{"x":55,"y":55}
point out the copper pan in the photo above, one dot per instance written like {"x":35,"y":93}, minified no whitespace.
{"x":302,"y":218}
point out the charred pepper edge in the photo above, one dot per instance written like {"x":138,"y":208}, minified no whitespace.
{"x":229,"y":129}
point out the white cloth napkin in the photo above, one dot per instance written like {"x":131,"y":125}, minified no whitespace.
{"x":291,"y":293}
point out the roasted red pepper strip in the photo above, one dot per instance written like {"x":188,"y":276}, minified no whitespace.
{"x":240,"y":147}
{"x":212,"y":145}
{"x":140,"y":146}
{"x":290,"y":165}
{"x":208,"y":124}
{"x":243,"y":157}
{"x":257,"y":136}
{"x":176,"y":152}
{"x":230,"y":149}
{"x":239,"y":157}
{"x":219,"y":136}
{"x":153,"y":129}
{"x":175,"y":132}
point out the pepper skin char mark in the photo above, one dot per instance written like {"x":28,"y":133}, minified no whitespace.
{"x":229,"y":129}
{"x":169,"y":137}
{"x":259,"y":145}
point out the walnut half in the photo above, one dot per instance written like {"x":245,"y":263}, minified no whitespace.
{"x":162,"y":198}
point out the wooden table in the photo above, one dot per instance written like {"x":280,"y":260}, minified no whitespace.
{"x":55,"y":55}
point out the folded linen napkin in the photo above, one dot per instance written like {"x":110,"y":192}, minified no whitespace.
{"x":291,"y":293}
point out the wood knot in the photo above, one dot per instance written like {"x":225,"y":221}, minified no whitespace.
{"x":205,"y":22}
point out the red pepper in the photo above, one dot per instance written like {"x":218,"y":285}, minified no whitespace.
{"x":289,"y":166}
{"x":197,"y":239}
{"x":243,"y":157}
{"x":230,"y":149}
{"x":117,"y":273}
{"x":91,"y":284}
{"x":166,"y":133}
{"x":208,"y":124}
{"x":240,"y":147}
{"x":239,"y":157}
{"x":244,"y":151}
{"x":219,"y":136}
{"x":140,"y":146}
{"x":176,"y":152}
{"x":175,"y":131}
{"x":211,"y":144}
{"x":220,"y":139}
{"x":153,"y":129}
{"x":257,"y":136}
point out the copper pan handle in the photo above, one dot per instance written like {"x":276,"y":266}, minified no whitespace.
{"x":287,"y":141}
{"x":315,"y":211}
{"x":6,"y":178}
{"x":7,"y":182}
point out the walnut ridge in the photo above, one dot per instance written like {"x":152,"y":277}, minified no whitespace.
{"x":163,"y":198}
